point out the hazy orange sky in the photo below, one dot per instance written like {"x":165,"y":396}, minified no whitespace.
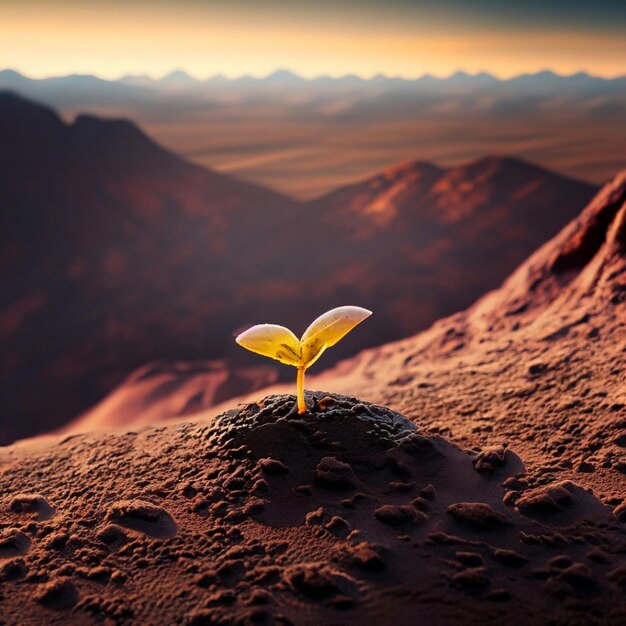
{"x":395,"y":37}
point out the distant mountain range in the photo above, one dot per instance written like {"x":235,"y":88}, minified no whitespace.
{"x":115,"y":252}
{"x":307,"y":137}
{"x":288,"y":76}
{"x":364,"y":94}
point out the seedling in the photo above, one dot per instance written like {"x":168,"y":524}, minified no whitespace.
{"x":278,"y":342}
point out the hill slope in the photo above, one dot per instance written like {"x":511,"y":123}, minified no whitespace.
{"x":538,"y":362}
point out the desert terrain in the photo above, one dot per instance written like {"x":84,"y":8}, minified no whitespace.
{"x":487,"y":486}
{"x":312,"y":313}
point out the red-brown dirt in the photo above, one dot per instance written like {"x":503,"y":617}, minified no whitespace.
{"x":349,"y":514}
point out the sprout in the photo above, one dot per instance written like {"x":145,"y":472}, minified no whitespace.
{"x":278,"y":342}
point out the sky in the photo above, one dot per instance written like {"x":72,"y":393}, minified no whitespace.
{"x":312,"y":37}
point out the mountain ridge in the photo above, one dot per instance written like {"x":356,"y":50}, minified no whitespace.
{"x":286,"y":73}
{"x":118,"y":252}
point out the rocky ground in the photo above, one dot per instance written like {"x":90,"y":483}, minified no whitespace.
{"x":348,"y":514}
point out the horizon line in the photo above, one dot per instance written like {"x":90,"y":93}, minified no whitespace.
{"x":184,"y":74}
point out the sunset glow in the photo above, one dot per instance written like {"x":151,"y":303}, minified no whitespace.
{"x":235,"y":38}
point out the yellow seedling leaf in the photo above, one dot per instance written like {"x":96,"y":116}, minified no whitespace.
{"x":328,"y":329}
{"x":276,"y":342}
